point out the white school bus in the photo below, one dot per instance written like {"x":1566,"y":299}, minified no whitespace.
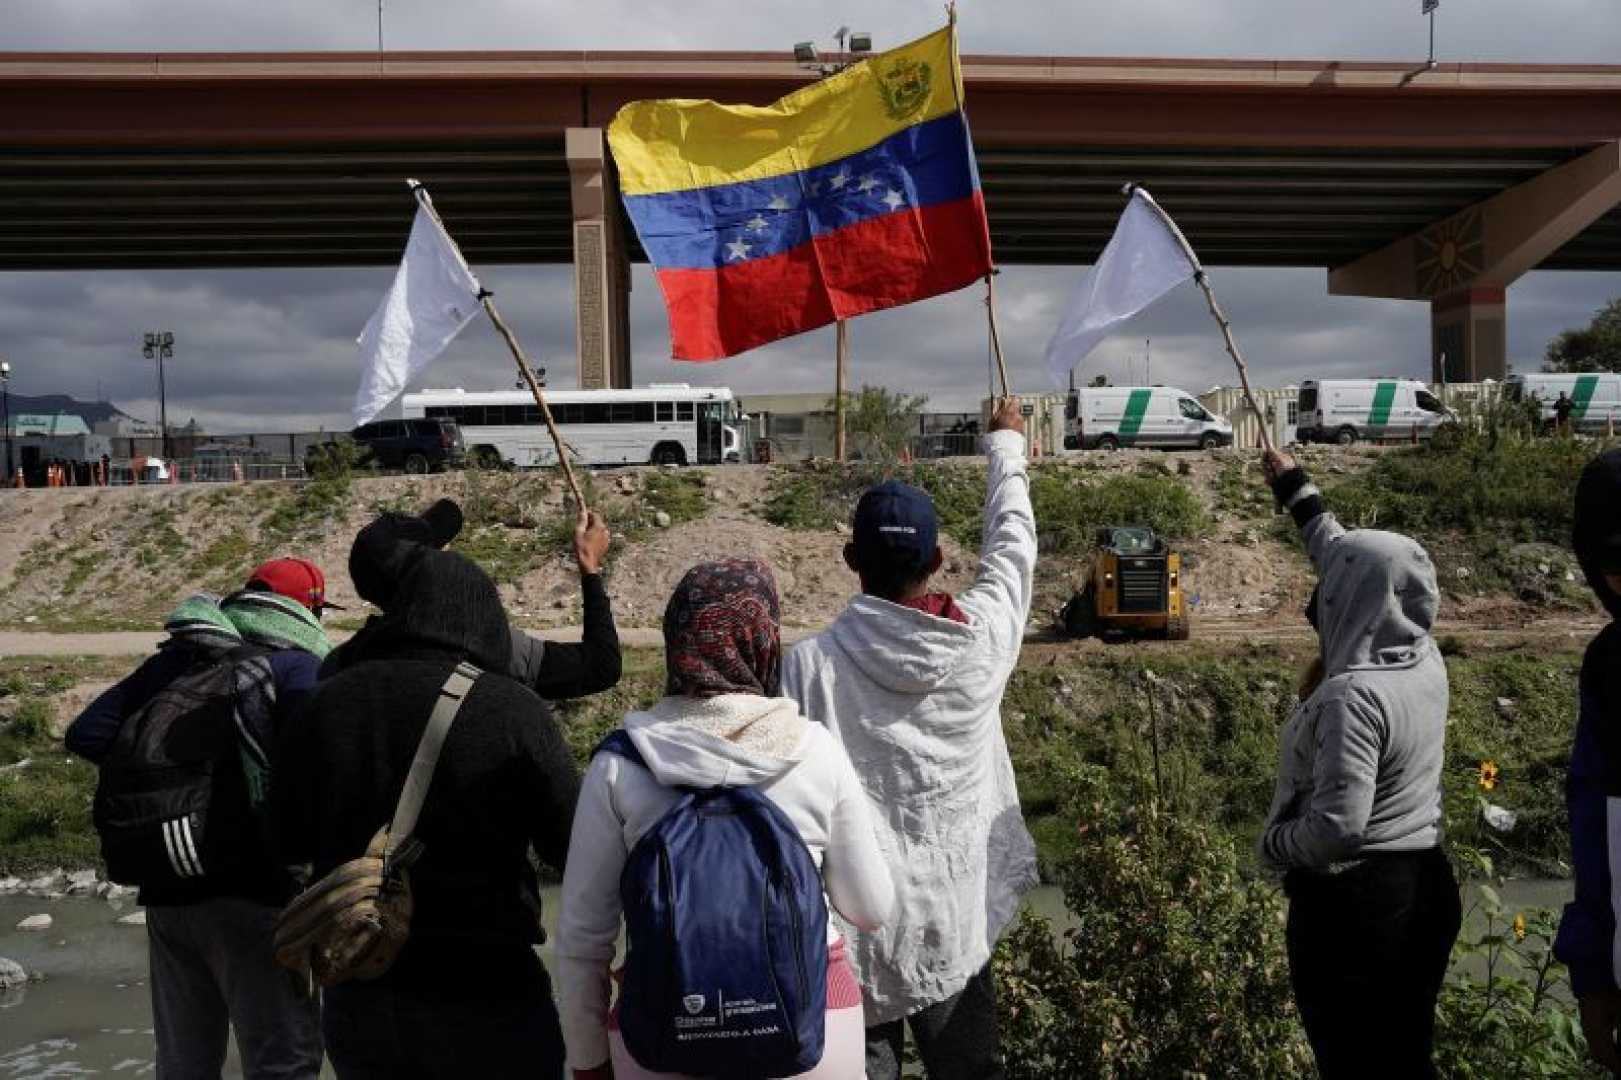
{"x":672,"y":424}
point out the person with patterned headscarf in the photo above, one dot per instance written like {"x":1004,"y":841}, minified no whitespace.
{"x":722,"y":723}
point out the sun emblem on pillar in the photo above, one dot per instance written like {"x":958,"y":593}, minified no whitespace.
{"x":1450,"y":254}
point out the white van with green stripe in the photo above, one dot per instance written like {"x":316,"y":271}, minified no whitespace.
{"x":1595,"y":399}
{"x":1109,"y":417}
{"x":1346,"y":411}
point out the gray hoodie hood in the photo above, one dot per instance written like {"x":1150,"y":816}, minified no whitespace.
{"x":732,"y":740}
{"x":902,"y":649}
{"x":1378,"y":599}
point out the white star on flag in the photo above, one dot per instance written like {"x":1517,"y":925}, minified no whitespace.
{"x":838,"y":180}
{"x":868,"y":182}
{"x":737,"y":249}
{"x":777,"y":203}
{"x":894,"y":199}
{"x":756,"y":223}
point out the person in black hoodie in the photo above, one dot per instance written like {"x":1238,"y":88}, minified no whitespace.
{"x":467,"y":994}
{"x":1587,"y":941}
{"x":385,"y":550}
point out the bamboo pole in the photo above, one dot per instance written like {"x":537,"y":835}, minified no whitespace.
{"x":996,"y":334}
{"x":840,"y":374}
{"x":540,"y":398}
{"x":1215,"y":311}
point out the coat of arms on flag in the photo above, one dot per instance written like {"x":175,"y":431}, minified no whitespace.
{"x":851,"y":195}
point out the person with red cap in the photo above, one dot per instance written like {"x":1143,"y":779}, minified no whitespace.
{"x":213,"y":887}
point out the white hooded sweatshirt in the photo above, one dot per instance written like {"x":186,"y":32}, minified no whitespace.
{"x":916,"y":700}
{"x":735,"y":740}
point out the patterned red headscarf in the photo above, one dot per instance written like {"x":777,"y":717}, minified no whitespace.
{"x":721,"y":632}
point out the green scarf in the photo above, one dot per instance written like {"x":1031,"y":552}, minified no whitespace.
{"x":263,"y":618}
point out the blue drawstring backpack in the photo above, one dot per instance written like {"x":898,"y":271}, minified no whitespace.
{"x":726,"y":927}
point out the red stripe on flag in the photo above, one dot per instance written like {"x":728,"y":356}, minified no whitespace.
{"x":878,"y":263}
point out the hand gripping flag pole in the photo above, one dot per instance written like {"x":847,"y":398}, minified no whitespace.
{"x":1215,"y":309}
{"x":524,"y":370}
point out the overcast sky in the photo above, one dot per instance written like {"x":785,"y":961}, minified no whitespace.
{"x":274,"y":349}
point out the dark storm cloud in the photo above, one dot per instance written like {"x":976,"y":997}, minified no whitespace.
{"x":275,"y":348}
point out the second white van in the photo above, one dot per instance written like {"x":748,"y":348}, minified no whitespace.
{"x":1345,"y":411}
{"x":1595,"y":399}
{"x":1109,"y":417}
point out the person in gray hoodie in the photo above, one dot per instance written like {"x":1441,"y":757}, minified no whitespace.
{"x":1355,"y":823}
{"x":911,"y":681}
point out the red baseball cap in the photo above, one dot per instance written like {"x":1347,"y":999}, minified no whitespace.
{"x":296,"y":579}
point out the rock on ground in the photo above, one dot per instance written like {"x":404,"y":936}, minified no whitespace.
{"x":12,"y":974}
{"x":36,"y":922}
{"x":134,"y":918}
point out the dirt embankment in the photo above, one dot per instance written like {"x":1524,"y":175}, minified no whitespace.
{"x":118,"y":559}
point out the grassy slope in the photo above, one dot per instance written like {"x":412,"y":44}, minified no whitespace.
{"x":1218,"y":711}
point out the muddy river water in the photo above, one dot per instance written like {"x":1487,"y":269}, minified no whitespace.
{"x":91,"y":1015}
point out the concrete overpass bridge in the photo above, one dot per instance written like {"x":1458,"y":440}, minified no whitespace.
{"x":1440,"y":185}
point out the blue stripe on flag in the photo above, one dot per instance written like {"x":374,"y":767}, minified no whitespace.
{"x":704,"y":228}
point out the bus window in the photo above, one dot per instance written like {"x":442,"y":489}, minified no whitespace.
{"x":683,"y":410}
{"x":644,"y":412}
{"x":664,"y":412}
{"x":1428,"y":401}
{"x":531,"y":414}
{"x":594,"y":413}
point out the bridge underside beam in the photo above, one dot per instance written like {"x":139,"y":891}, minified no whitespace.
{"x":1463,"y":263}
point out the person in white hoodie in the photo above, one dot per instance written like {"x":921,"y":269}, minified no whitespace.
{"x":721,"y":723}
{"x":911,"y":682}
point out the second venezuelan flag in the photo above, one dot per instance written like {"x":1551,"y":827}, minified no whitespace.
{"x":853,"y":194}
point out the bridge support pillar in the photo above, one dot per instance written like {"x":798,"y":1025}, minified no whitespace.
{"x":1464,"y":264}
{"x":1468,"y":335}
{"x":601,"y":270}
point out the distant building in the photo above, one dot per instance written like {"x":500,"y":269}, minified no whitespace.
{"x":796,"y":426}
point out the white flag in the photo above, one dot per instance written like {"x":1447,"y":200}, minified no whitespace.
{"x":433,"y":296}
{"x":1145,"y":259}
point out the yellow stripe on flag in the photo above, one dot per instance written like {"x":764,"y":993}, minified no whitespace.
{"x":678,"y":145}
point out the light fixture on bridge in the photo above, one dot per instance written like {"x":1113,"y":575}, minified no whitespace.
{"x":805,"y":53}
{"x":860,"y":43}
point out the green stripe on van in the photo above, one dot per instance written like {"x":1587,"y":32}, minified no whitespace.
{"x":1136,"y":407}
{"x":1383,"y":398}
{"x":1582,"y":397}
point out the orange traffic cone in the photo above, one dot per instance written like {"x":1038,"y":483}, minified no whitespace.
{"x":21,"y":481}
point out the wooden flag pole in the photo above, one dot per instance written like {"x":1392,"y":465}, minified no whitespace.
{"x":839,"y":377}
{"x":996,"y":335}
{"x":540,"y":398}
{"x":1215,"y":311}
{"x":421,"y":194}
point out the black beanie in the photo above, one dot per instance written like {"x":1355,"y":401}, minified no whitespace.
{"x":386,"y":549}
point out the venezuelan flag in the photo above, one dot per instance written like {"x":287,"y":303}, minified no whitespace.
{"x":856,"y":193}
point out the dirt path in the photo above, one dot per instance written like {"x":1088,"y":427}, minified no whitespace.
{"x":1497,"y":634}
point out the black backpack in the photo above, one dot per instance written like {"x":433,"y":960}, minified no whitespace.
{"x":172,"y":803}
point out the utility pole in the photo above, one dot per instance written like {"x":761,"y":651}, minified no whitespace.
{"x":1148,"y":361}
{"x":159,"y":345}
{"x":853,"y":48}
{"x":1428,"y":7}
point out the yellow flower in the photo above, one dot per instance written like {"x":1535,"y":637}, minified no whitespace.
{"x":1519,"y":927}
{"x":1488,"y":775}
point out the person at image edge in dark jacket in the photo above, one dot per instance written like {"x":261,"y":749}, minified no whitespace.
{"x":385,"y":550}
{"x":1587,"y":942}
{"x":210,"y":938}
{"x":467,"y":995}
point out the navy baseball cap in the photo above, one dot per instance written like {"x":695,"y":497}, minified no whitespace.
{"x":895,"y":527}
